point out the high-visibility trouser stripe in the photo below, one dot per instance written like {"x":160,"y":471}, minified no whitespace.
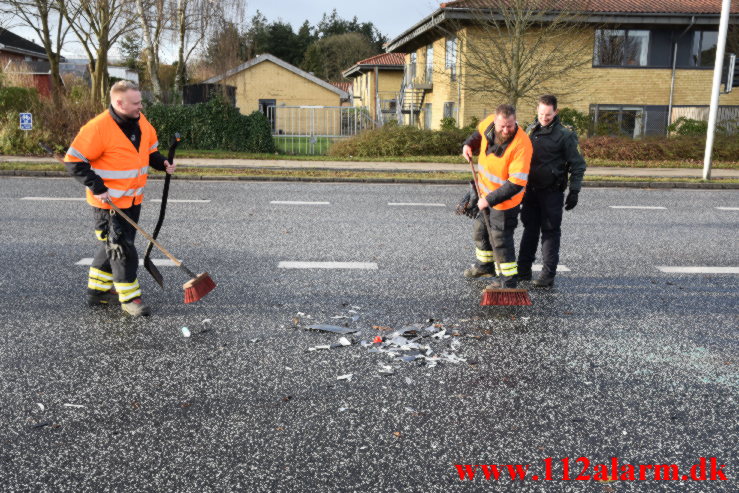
{"x":114,"y":174}
{"x":484,"y":256}
{"x":99,"y":280}
{"x":508,"y":269}
{"x":127,"y":193}
{"x":99,"y":234}
{"x":128,"y":290}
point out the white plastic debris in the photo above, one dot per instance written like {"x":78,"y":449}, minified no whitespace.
{"x":347,"y":377}
{"x":342,"y":409}
{"x":344,"y":341}
{"x":41,"y":406}
{"x":77,"y":406}
{"x":319,"y":348}
{"x":185,"y":332}
{"x":206,"y":321}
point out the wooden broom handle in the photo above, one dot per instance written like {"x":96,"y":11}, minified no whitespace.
{"x":146,"y":235}
{"x":178,"y":263}
{"x":486,"y":214}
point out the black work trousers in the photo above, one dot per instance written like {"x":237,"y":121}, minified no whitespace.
{"x":116,"y":260}
{"x":541,"y":214}
{"x":502,"y":225}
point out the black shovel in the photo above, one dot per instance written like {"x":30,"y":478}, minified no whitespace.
{"x":148,"y":263}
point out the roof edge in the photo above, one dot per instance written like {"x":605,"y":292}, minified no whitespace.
{"x":463,"y":13}
{"x":282,"y":63}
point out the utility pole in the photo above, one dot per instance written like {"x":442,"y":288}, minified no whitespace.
{"x":713,"y":111}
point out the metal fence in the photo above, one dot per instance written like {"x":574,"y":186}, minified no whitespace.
{"x":312,"y":129}
{"x":643,"y":121}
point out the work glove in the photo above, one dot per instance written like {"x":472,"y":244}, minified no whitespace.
{"x":468,"y":204}
{"x":571,"y":200}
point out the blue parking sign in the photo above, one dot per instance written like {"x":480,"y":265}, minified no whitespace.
{"x":26,"y":121}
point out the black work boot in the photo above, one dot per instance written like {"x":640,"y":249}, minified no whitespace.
{"x":503,"y":282}
{"x":480,"y":270}
{"x":136,"y":308}
{"x":545,"y":280}
{"x":524,"y":273}
{"x":102,"y":298}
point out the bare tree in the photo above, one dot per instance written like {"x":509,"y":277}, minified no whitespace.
{"x":517,"y":49}
{"x":46,"y":20}
{"x":194,"y":21}
{"x":98,"y":24}
{"x":152,"y":20}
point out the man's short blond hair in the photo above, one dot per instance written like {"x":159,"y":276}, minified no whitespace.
{"x":122,"y":86}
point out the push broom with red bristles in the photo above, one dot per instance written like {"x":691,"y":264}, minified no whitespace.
{"x":498,"y":296}
{"x":197,"y":287}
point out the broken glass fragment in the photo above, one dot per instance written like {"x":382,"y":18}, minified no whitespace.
{"x":332,"y":328}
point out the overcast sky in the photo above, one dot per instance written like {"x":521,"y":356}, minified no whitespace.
{"x":391,"y":17}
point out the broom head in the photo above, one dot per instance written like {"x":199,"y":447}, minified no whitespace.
{"x":198,"y":287}
{"x":505,"y":297}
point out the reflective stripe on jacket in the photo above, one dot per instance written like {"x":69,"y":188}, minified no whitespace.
{"x":112,"y":156}
{"x":513,"y":165}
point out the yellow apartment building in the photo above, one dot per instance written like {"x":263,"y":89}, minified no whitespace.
{"x":646,"y":63}
{"x":296,"y":102}
{"x":376,"y":84}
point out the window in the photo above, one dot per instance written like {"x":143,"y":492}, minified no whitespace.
{"x":427,"y":115}
{"x":412,"y":66}
{"x":621,"y":47}
{"x":450,"y":58}
{"x":630,"y":121}
{"x":703,"y":52}
{"x":429,"y":63}
{"x":450,"y":110}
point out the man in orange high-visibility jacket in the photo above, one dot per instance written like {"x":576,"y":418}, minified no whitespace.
{"x":503,"y":169}
{"x":111,"y":156}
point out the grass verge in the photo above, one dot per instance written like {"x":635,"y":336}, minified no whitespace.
{"x":348,"y":175}
{"x":215,"y":154}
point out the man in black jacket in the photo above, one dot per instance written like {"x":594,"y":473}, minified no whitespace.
{"x":556,"y":161}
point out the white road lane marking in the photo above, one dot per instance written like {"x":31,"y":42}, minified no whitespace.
{"x":560,"y":268}
{"x":728,"y":208}
{"x":196,"y":201}
{"x":327,"y":265}
{"x":677,"y":269}
{"x":420,"y":204}
{"x":635,"y":207}
{"x":53,"y":198}
{"x":297,"y":202}
{"x":161,"y":262}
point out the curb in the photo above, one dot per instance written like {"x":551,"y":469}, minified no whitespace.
{"x":588,"y":183}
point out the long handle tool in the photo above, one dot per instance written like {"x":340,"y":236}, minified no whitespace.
{"x":173,"y":141}
{"x":497,"y":296}
{"x":198,"y":286}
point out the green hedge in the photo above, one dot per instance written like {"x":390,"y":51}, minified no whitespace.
{"x":212,"y":125}
{"x":680,"y":148}
{"x":399,"y":140}
{"x":18,"y":100}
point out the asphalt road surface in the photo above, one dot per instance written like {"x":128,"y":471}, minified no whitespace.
{"x":631,"y":356}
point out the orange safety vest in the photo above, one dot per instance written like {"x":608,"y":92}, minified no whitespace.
{"x":513,"y":165}
{"x":113,"y":157}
